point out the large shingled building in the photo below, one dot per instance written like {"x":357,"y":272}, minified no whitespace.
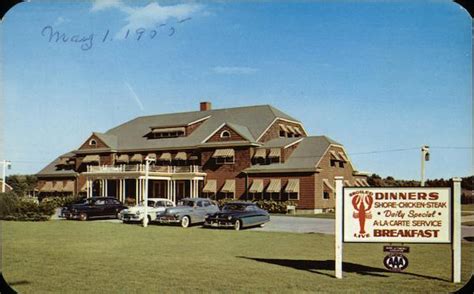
{"x":255,"y":152}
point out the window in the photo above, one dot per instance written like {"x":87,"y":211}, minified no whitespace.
{"x":293,"y":196}
{"x":206,"y":203}
{"x":341,"y":163}
{"x":167,"y":135}
{"x":225,"y":160}
{"x":282,"y":133}
{"x":333,"y":162}
{"x":325,"y":195}
{"x":225,"y":134}
{"x":92,"y":142}
{"x":99,"y":202}
{"x":199,"y":204}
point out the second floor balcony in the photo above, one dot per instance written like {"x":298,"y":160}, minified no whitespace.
{"x":140,"y":168}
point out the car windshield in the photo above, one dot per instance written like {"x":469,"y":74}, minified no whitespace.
{"x":186,"y":203}
{"x":81,"y":201}
{"x":150,"y":203}
{"x":234,"y":207}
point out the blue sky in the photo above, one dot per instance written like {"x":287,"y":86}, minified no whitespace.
{"x":373,"y":75}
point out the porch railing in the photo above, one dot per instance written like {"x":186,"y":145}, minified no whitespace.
{"x":141,"y":168}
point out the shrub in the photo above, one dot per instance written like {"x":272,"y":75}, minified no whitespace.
{"x":24,"y":208}
{"x":273,"y":206}
{"x":8,"y":204}
{"x":61,"y":201}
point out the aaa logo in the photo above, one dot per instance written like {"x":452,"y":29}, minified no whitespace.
{"x":362,"y":203}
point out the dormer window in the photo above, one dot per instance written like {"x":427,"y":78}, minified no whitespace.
{"x":93,"y":143}
{"x":158,"y":133}
{"x":225,"y":135}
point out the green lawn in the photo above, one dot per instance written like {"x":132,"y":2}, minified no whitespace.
{"x":467,"y":207}
{"x":98,"y":257}
{"x":330,"y":215}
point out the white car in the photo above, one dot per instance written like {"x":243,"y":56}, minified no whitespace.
{"x":136,"y":213}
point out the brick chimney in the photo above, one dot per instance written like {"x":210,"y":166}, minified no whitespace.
{"x":206,"y":105}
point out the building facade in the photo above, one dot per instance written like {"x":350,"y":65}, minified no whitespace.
{"x":248,"y":153}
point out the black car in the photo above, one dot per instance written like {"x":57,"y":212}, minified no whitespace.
{"x":94,"y":207}
{"x":238,"y":215}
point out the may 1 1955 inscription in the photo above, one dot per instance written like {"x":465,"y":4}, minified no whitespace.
{"x":87,"y":41}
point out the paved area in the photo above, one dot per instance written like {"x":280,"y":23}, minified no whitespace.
{"x":312,"y":225}
{"x":298,"y":225}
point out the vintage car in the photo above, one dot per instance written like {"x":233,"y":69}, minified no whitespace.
{"x":238,"y":215}
{"x":136,"y":213}
{"x":94,"y":207}
{"x":189,"y":211}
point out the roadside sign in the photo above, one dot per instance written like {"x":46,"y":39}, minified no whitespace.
{"x":398,"y":215}
{"x":405,"y":215}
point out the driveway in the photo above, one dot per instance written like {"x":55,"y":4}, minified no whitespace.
{"x":321,"y":225}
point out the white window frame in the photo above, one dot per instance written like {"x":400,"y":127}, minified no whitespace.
{"x":93,"y":142}
{"x":225,"y":134}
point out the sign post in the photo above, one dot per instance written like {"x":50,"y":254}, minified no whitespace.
{"x":338,"y":249}
{"x":456,"y":245}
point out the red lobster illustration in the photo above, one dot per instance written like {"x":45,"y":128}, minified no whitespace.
{"x":362,"y":204}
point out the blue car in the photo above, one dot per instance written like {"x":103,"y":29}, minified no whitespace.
{"x":238,"y":215}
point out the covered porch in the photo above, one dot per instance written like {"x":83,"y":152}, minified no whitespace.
{"x":127,"y":185}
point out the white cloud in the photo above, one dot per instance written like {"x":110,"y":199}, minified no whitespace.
{"x":99,"y":5}
{"x":234,"y":70}
{"x":147,"y":16}
{"x":60,"y":20}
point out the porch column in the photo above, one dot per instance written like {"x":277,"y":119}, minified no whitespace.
{"x":119,"y":189}
{"x":106,"y":187}
{"x":136,"y":191}
{"x":168,"y":192}
{"x":191,"y":194}
{"x":173,"y":190}
{"x":87,"y":188}
{"x":124,"y":189}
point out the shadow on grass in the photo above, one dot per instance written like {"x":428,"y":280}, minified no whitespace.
{"x":469,"y":239}
{"x":314,"y":266}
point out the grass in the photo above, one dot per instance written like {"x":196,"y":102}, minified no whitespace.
{"x":465,"y":213}
{"x":330,"y":215}
{"x":101,"y":257}
{"x":467,"y":207}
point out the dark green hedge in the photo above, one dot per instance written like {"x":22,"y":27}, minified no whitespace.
{"x":271,"y":206}
{"x":24,"y":209}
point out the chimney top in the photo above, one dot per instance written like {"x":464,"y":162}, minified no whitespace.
{"x":205,"y":105}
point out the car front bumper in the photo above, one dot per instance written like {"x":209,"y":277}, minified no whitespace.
{"x":168,"y":219}
{"x":71,"y":215}
{"x":131,"y":217}
{"x":219,"y":223}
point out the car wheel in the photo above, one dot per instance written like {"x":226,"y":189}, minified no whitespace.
{"x":118,"y":215}
{"x":237,"y":225}
{"x":185,"y":221}
{"x":83,"y":216}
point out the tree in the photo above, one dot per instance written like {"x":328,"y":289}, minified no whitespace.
{"x":22,"y":185}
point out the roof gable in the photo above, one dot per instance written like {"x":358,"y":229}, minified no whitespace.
{"x":236,"y":133}
{"x":99,"y":140}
